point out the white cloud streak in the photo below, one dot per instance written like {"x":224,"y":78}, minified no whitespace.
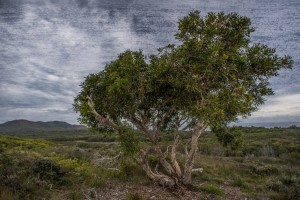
{"x":280,"y":106}
{"x":47,"y":49}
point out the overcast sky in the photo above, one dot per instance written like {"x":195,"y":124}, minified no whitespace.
{"x":48,"y":47}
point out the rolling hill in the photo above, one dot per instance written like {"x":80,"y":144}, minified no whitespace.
{"x":25,"y":126}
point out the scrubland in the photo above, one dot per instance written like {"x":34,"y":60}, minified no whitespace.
{"x":92,"y":166}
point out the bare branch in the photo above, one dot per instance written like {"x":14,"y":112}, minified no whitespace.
{"x":115,"y":169}
{"x":156,"y":168}
{"x":111,"y":158}
{"x":197,"y":170}
{"x":101,"y":119}
{"x":106,"y":161}
{"x":167,"y":150}
{"x":186,"y":150}
{"x":163,"y":119}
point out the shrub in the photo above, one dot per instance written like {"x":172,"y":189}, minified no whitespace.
{"x":287,"y":187}
{"x":48,"y":170}
{"x":212,"y":189}
{"x":18,"y":177}
{"x":264,"y":170}
{"x":238,"y":182}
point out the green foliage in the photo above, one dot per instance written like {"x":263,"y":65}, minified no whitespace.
{"x":24,"y":177}
{"x":212,"y":189}
{"x":26,"y":173}
{"x":253,"y":169}
{"x":8,"y":142}
{"x":238,"y":182}
{"x":228,"y":136}
{"x":287,"y":187}
{"x":48,"y":170}
{"x":214,"y":75}
{"x":34,"y":169}
{"x":128,"y":141}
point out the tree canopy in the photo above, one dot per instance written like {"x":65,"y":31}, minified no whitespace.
{"x":212,"y":77}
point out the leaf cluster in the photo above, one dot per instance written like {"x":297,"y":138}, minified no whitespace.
{"x":214,"y":75}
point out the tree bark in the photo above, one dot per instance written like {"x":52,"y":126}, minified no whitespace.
{"x":189,"y":163}
{"x":174,"y":172}
{"x":152,"y":135}
{"x":162,"y":179}
{"x":173,"y":156}
{"x":100,"y":118}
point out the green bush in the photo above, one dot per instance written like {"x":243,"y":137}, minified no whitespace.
{"x":239,"y":182}
{"x":287,"y":187}
{"x":17,"y":176}
{"x":212,"y":189}
{"x":49,"y":170}
{"x":264,"y":170}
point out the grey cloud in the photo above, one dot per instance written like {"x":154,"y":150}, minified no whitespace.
{"x":11,"y":10}
{"x":48,"y":47}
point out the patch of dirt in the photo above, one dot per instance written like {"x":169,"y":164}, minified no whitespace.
{"x":155,"y":192}
{"x":121,"y":191}
{"x":233,"y":193}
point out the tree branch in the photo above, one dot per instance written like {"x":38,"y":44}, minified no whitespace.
{"x":173,"y":155}
{"x":197,"y":170}
{"x":160,"y":178}
{"x":152,"y":135}
{"x":101,"y":119}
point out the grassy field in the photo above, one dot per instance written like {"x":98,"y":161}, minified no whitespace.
{"x":80,"y":166}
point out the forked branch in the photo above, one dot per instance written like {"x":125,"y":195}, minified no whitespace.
{"x":101,"y":119}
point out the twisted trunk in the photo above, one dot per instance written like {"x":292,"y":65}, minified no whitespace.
{"x":152,"y":135}
{"x":162,"y":179}
{"x":175,"y":175}
{"x":173,"y":156}
{"x":189,"y":163}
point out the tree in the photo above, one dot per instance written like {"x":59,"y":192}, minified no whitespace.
{"x":212,"y":77}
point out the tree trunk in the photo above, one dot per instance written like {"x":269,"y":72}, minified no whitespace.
{"x":189,"y":163}
{"x":173,"y":156}
{"x":162,"y":179}
{"x":152,"y":135}
{"x":174,"y":174}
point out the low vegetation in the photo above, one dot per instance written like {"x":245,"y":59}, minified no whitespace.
{"x":211,"y":76}
{"x":266,"y":166}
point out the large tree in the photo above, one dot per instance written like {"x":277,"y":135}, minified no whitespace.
{"x":212,"y":77}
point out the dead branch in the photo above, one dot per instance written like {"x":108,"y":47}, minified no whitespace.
{"x":197,"y":170}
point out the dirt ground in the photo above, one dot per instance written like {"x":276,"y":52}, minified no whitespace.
{"x":155,"y":192}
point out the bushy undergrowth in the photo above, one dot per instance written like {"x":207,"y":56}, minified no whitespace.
{"x":37,"y":169}
{"x":267,"y":165}
{"x":212,"y":189}
{"x":28,"y":176}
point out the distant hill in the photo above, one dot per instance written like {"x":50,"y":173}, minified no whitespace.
{"x":269,"y":124}
{"x":25,"y":126}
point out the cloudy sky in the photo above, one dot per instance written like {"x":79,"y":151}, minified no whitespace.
{"x":48,"y":47}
